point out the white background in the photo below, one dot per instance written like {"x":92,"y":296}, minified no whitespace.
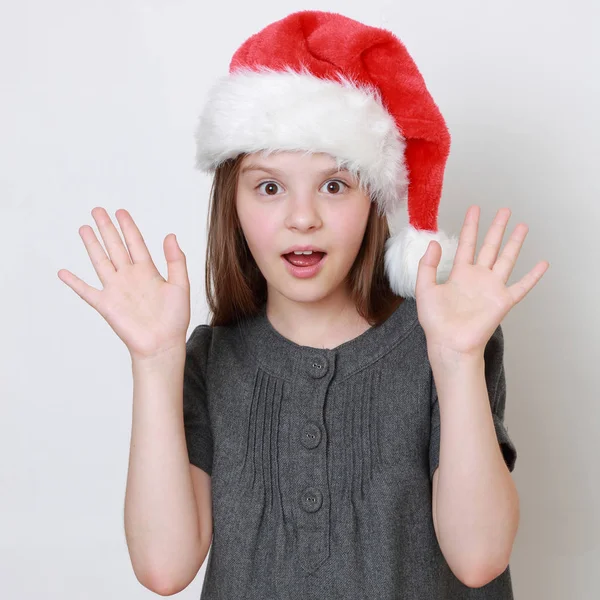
{"x":99,"y":101}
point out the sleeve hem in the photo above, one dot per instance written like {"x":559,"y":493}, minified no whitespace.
{"x":434,"y":450}
{"x":200,"y":455}
{"x":201,"y":462}
{"x":509,"y":451}
{"x":507,"y":447}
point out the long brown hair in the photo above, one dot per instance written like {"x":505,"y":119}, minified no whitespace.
{"x":235,"y":287}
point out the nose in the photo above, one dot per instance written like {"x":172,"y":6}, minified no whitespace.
{"x":303,"y":213}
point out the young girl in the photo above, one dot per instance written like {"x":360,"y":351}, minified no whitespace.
{"x":343,"y":412}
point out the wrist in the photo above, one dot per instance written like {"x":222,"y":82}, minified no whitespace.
{"x":161,"y":359}
{"x":451,"y":361}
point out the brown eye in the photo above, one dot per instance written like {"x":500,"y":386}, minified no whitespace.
{"x":333,"y":186}
{"x":271,"y":186}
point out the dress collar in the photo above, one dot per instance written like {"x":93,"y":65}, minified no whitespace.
{"x":286,"y":359}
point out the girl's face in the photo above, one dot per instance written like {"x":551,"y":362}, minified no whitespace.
{"x":295,"y":198}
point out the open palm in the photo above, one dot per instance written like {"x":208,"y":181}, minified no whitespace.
{"x":460,"y":315}
{"x":149,"y":314}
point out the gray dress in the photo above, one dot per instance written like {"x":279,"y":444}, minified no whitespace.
{"x":322,"y":462}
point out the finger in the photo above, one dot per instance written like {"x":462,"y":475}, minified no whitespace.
{"x":88,"y":293}
{"x":101,"y":263}
{"x":138,"y":250}
{"x":506,"y":262}
{"x":522,"y":287}
{"x":112,"y":239}
{"x":177,"y":273}
{"x":493,"y":239}
{"x":427,"y":271}
{"x":467,"y":241}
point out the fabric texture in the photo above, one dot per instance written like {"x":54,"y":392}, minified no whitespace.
{"x":199,"y":438}
{"x":318,"y":81}
{"x":321,"y":462}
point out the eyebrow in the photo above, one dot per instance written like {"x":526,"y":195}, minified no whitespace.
{"x":279,"y":173}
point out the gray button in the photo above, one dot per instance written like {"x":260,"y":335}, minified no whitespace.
{"x":311,"y":499}
{"x":310,"y":435}
{"x":317,"y":366}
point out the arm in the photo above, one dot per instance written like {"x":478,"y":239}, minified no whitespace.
{"x":475,"y":501}
{"x":167,"y":542}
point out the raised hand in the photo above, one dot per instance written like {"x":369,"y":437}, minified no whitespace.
{"x":149,"y":314}
{"x":460,"y":315}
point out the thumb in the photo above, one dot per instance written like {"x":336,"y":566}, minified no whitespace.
{"x":427,"y":272}
{"x":176,"y":262}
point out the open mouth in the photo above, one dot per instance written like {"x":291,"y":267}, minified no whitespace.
{"x":304,"y":260}
{"x":304,"y":265}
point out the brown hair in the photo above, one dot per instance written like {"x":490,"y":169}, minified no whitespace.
{"x":235,"y":287}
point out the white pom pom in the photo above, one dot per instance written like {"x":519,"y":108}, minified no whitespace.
{"x":404,"y":250}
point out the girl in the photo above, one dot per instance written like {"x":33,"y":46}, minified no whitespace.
{"x":337,"y":430}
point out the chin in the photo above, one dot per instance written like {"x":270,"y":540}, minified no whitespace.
{"x":303,"y":293}
{"x":313,"y":290}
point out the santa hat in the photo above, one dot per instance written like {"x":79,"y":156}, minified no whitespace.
{"x":322,"y":82}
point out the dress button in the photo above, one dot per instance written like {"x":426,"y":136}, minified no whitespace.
{"x":317,"y":366}
{"x":311,"y":499}
{"x":310,"y":436}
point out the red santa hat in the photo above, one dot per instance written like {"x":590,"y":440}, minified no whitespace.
{"x":322,"y":82}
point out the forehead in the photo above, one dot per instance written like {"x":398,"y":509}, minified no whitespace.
{"x":290,"y":161}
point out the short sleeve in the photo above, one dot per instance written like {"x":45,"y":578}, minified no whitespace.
{"x":496,"y":385}
{"x":196,"y":420}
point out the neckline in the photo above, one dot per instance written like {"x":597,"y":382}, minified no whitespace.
{"x":281,"y":356}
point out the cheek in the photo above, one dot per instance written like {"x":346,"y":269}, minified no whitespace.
{"x":349,"y":225}
{"x":259,"y":229}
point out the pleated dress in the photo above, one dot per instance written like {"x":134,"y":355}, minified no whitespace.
{"x":322,"y":462}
